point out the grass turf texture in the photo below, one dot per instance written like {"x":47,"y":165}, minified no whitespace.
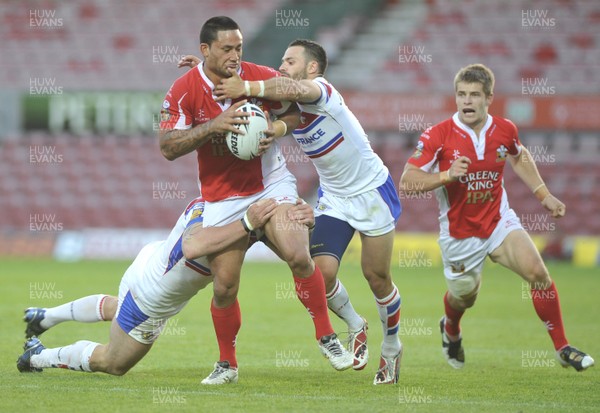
{"x":510,"y":364}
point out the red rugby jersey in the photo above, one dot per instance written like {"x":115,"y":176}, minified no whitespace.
{"x":472,"y":206}
{"x":190,"y":102}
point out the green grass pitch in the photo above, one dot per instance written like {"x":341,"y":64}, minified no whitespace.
{"x":510,"y":364}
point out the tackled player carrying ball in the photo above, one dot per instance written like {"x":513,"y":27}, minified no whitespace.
{"x":356,"y":194}
{"x":462,"y":159}
{"x":193,"y":120}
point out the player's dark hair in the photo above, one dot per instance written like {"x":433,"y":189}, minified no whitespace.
{"x":313,"y":51}
{"x":214,"y":25}
{"x":476,"y":73}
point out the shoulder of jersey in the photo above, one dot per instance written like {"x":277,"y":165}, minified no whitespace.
{"x":504,"y":123}
{"x":189,"y":75}
{"x":252,"y":69}
{"x":440,"y":128}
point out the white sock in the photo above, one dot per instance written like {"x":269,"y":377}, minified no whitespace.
{"x":73,"y":357}
{"x":338,"y":301}
{"x":85,"y":310}
{"x":389,"y":314}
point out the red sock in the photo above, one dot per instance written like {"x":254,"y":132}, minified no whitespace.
{"x":227,"y":322}
{"x":311,"y":292}
{"x":547,"y":307}
{"x":452,"y":318}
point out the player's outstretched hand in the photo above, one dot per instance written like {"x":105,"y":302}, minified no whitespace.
{"x":260,"y":212}
{"x":554,"y":205}
{"x":189,"y":60}
{"x":227,"y":120}
{"x":302,"y":213}
{"x":230,"y":88}
{"x":266,"y":142}
{"x":459,"y":168}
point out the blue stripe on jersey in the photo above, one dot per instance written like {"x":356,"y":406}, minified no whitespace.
{"x":175,"y":255}
{"x":314,"y":102}
{"x":390,"y":196}
{"x":130,"y":315}
{"x":327,"y":145}
{"x":309,"y":127}
{"x":198,"y":220}
{"x":327,"y":91}
{"x":393,"y":331}
{"x":196,"y":266}
{"x":392,"y":308}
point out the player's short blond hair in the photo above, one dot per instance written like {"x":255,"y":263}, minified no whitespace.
{"x":476,"y":73}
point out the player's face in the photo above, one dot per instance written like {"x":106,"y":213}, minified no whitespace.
{"x":223,"y":53}
{"x":472,"y":104}
{"x":293,"y":63}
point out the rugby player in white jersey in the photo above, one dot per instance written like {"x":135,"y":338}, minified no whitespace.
{"x":356,"y":193}
{"x":462,"y":159}
{"x":157,"y":285}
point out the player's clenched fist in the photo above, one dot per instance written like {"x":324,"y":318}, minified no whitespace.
{"x":554,"y":205}
{"x":459,"y":168}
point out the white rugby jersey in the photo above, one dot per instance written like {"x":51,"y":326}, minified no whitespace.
{"x":164,"y":281}
{"x":332,"y":137}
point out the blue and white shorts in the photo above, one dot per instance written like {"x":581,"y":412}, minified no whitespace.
{"x":138,"y":325}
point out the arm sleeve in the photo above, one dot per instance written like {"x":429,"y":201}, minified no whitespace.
{"x":176,"y":112}
{"x":427,"y":150}
{"x":515,"y":147}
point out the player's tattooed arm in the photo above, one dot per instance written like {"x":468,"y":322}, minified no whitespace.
{"x":175,"y":143}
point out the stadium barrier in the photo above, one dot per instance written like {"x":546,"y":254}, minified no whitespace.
{"x":412,"y":251}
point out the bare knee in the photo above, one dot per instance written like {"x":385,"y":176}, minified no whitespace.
{"x":225,"y":289}
{"x":300,"y":263}
{"x":538,"y":276}
{"x":379,"y":282}
{"x":116,"y":370}
{"x":100,"y":362}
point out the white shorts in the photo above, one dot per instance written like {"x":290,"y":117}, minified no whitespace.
{"x":463,"y":259}
{"x":233,"y":209}
{"x":138,"y":325}
{"x":372,"y":213}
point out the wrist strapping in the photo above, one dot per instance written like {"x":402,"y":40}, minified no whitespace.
{"x":541,"y":192}
{"x":246,"y":223}
{"x":247,"y":87}
{"x":261,"y":93}
{"x":284,"y":127}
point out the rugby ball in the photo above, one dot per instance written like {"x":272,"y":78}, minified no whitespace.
{"x":246,"y":146}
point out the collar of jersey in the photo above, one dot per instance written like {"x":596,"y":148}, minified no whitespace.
{"x":479,"y":144}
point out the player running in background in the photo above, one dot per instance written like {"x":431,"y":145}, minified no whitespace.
{"x":192,"y":119}
{"x":462,"y":159}
{"x":356,"y":193}
{"x":155,"y":287}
